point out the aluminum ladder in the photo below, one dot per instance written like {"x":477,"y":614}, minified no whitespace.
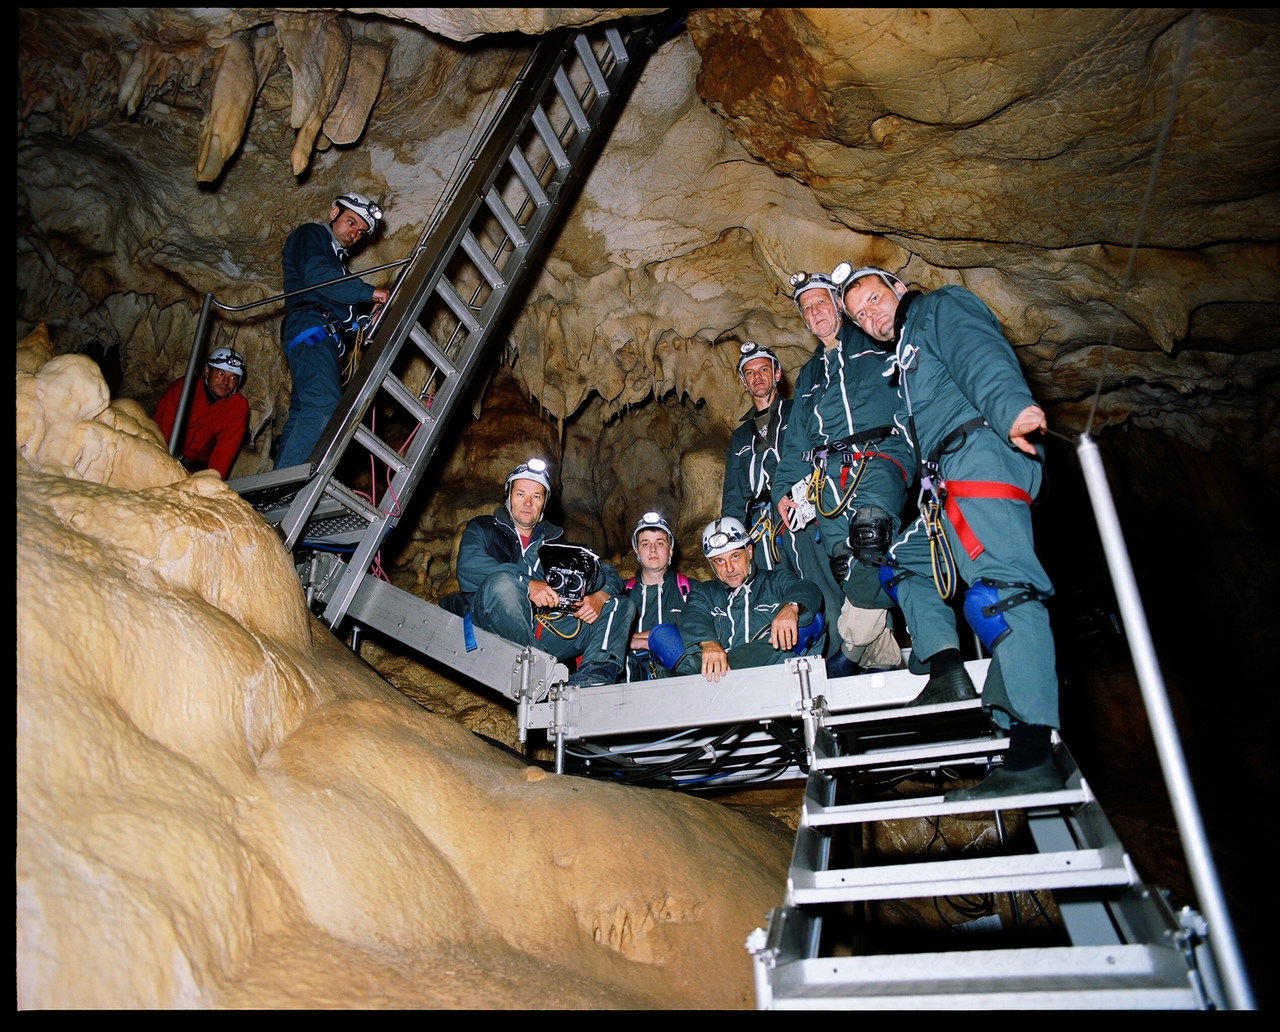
{"x":448,"y":304}
{"x":1119,"y":944}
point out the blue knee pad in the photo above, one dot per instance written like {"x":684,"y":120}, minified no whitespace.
{"x":806,"y":635}
{"x":985,"y":614}
{"x":890,"y":578}
{"x":666,"y":644}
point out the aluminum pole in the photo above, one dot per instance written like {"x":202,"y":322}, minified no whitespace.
{"x":1204,"y":875}
{"x":189,"y":385}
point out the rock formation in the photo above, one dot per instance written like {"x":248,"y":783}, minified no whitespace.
{"x":218,"y":805}
{"x":166,"y":153}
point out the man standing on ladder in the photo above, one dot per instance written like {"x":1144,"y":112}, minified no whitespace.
{"x":967,"y":411}
{"x":314,"y":322}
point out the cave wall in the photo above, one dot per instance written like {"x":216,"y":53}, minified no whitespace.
{"x":1004,"y":151}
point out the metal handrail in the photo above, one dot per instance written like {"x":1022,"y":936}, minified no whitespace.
{"x":196,"y":358}
{"x":1195,"y":843}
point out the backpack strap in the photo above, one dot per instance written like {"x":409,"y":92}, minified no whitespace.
{"x":682,"y":582}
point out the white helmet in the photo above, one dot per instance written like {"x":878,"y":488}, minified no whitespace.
{"x":805,"y":281}
{"x":362,"y":206}
{"x":724,"y":535}
{"x":226,"y":359}
{"x":845,"y":276}
{"x":750,"y":351}
{"x":651,"y":521}
{"x":535,"y":470}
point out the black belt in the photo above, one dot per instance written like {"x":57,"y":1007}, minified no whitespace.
{"x":848,"y":448}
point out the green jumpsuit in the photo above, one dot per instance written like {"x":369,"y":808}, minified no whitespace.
{"x":844,"y":395}
{"x":739,"y":620}
{"x":754,"y":450}
{"x":956,"y":368}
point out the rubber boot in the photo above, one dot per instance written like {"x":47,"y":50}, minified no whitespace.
{"x":1028,"y":768}
{"x":841,"y":665}
{"x":948,"y":681}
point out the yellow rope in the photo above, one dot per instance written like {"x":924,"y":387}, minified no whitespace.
{"x":940,"y":556}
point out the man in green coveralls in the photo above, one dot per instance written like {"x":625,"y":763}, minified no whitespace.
{"x":968,"y":412}
{"x":841,"y":437}
{"x":657,"y":591}
{"x":747,"y":616}
{"x":754,"y":450}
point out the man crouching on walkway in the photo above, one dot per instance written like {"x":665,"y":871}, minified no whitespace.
{"x":747,"y":616}
{"x":503,"y":582}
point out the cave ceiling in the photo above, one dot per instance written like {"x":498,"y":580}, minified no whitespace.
{"x":163,"y":153}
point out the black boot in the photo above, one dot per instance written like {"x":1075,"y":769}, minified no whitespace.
{"x":1028,"y":768}
{"x":948,"y":681}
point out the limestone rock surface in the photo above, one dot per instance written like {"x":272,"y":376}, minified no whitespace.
{"x":218,"y":805}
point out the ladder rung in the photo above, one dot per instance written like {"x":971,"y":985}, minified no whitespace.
{"x":521,"y":164}
{"x":817,"y":815}
{"x":459,"y":307}
{"x":570,"y":98}
{"x":348,"y":499}
{"x":598,"y":82}
{"x":476,"y":253}
{"x":1077,"y":868}
{"x":505,"y":219}
{"x":932,"y":751}
{"x":617,"y":46}
{"x":431,"y":349}
{"x":393,"y":386}
{"x":380,"y":448}
{"x":549,"y":138}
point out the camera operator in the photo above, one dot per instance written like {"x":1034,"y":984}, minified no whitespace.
{"x":570,"y":607}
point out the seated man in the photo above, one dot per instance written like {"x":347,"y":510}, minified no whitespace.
{"x":503,"y":582}
{"x":657,"y":591}
{"x":217,"y":419}
{"x":746,"y":617}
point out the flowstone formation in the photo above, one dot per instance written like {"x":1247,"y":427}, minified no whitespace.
{"x":219,"y":805}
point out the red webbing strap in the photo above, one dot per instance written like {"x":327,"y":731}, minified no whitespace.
{"x":976,"y":489}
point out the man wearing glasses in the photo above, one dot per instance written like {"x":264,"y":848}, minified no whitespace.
{"x":314,"y":322}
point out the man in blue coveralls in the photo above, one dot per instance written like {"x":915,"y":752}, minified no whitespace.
{"x":314,"y":322}
{"x":967,"y":412}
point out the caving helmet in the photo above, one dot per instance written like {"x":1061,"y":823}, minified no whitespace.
{"x":535,"y":470}
{"x":724,"y":535}
{"x":362,"y":206}
{"x":651,"y":521}
{"x":805,"y":281}
{"x":750,"y":351}
{"x":846,"y":275}
{"x":228,"y":360}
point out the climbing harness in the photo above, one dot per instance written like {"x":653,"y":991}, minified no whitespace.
{"x":855,"y":455}
{"x":356,"y":351}
{"x":763,"y":531}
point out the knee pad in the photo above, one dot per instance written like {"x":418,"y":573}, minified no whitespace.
{"x":666,"y":644}
{"x":985,"y":611}
{"x":805,"y":636}
{"x":890,"y":578}
{"x":871,"y":534}
{"x":982,"y":610}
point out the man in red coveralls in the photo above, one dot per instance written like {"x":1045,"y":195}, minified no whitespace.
{"x":218,"y":418}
